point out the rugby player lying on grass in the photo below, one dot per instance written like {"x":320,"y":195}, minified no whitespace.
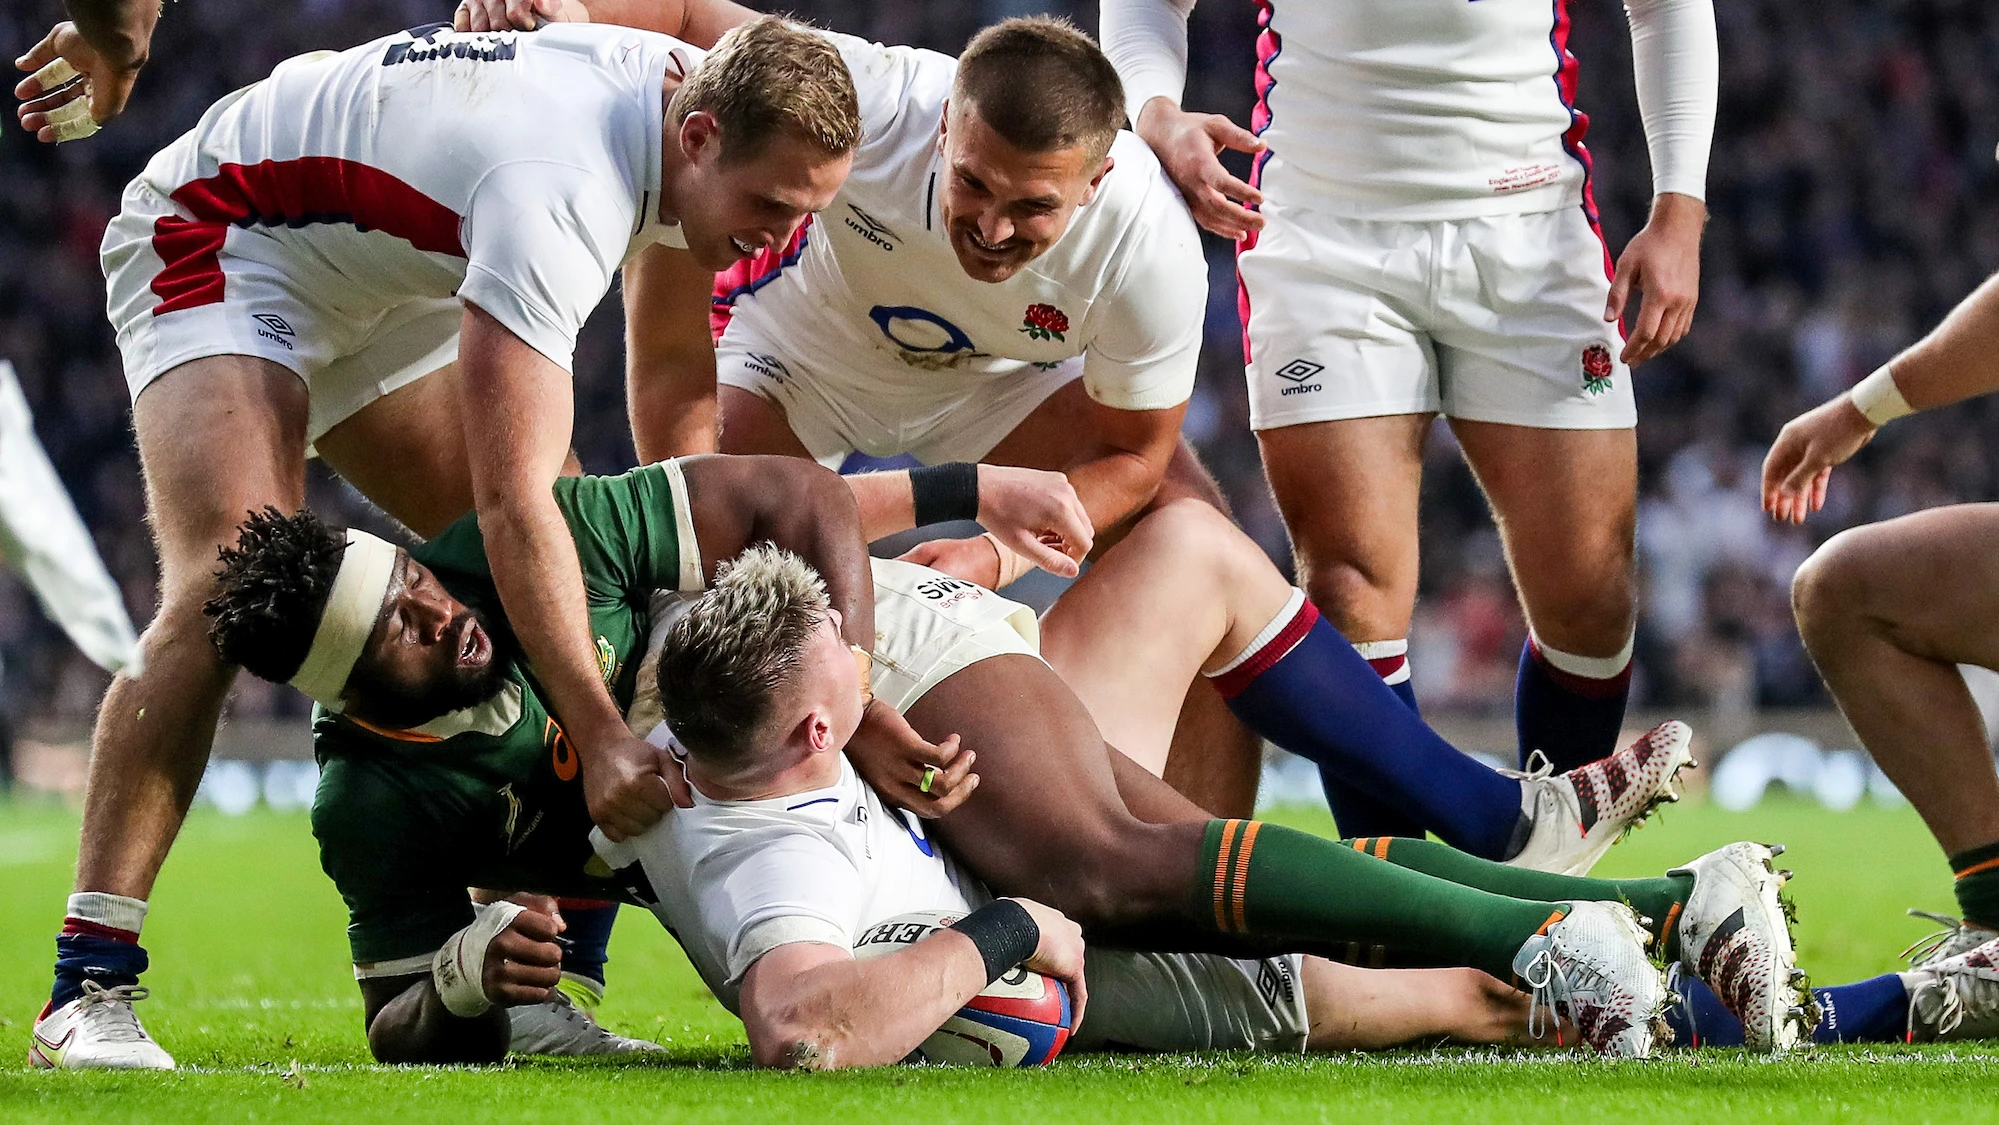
{"x":442,"y":769}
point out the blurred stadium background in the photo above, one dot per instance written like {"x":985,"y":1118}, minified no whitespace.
{"x":1852,"y":191}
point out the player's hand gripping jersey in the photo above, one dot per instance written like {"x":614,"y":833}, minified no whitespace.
{"x":325,"y":217}
{"x":490,"y":796}
{"x":871,"y":335}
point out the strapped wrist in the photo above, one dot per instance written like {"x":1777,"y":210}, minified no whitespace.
{"x":1004,"y":933}
{"x":458,"y":970}
{"x":942,"y":493}
{"x":1879,"y":399}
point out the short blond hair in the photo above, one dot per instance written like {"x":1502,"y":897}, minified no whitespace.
{"x":734,"y":656}
{"x":771,"y":75}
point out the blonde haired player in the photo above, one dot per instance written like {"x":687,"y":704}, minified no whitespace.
{"x":288,"y":276}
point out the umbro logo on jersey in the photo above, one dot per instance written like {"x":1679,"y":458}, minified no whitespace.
{"x":1300,"y":372}
{"x":870,"y":228}
{"x":275,"y":329}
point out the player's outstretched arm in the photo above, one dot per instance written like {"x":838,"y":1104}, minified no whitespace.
{"x":1958,"y":360}
{"x":451,"y":1015}
{"x":106,"y":42}
{"x":812,"y":1006}
{"x":699,"y":22}
{"x":670,"y":356}
{"x":519,"y":408}
{"x":1035,"y":513}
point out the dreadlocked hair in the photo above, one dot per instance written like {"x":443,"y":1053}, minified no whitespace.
{"x":273,"y":588}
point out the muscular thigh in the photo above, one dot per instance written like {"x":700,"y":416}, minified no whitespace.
{"x":1566,"y":505}
{"x":406,"y":452}
{"x":1046,"y":787}
{"x":219,"y":438}
{"x":1933,"y":577}
{"x":1348,"y":491}
{"x":752,"y":423}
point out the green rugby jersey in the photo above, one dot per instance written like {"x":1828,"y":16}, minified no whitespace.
{"x":490,"y":796}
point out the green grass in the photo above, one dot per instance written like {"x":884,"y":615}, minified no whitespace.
{"x":252,"y":993}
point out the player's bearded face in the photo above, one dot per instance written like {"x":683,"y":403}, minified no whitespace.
{"x":1004,"y":207}
{"x":732,"y":209}
{"x":429,"y":655}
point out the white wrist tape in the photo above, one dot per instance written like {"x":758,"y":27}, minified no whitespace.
{"x":1011,"y":565}
{"x":1878,"y":399}
{"x":459,"y":969}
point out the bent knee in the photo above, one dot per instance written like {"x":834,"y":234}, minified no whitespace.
{"x":1834,"y":582}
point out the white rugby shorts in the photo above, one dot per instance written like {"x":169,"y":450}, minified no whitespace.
{"x":839,"y":398}
{"x":1494,"y":319}
{"x":1192,"y":1002}
{"x":252,"y":297}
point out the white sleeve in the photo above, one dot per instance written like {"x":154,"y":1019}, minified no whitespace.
{"x":1145,"y":354}
{"x":1678,"y":67}
{"x":1146,"y":40}
{"x":769,"y":890}
{"x":541,"y":242}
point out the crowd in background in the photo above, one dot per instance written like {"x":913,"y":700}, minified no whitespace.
{"x":1854,"y":198}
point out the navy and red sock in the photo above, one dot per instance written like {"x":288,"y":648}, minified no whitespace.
{"x":99,"y":942}
{"x":1875,"y":1010}
{"x":1301,"y":685}
{"x":1569,"y":707}
{"x":586,"y":936}
{"x":1356,"y":812}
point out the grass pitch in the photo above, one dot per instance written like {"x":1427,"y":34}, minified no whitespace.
{"x":252,"y":993}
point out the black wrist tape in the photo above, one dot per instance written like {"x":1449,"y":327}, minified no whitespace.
{"x":945,"y":492}
{"x":1004,"y":932}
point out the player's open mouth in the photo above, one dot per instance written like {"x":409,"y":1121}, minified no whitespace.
{"x":1003,"y":247}
{"x":474,"y":647}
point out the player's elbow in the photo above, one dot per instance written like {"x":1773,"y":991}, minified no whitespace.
{"x":791,"y":1040}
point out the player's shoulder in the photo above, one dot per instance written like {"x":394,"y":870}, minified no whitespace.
{"x":1136,"y":226}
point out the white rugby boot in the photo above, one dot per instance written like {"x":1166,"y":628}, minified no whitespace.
{"x":97,"y":1031}
{"x":1578,"y":815}
{"x":1956,"y":938}
{"x":1735,"y":935}
{"x":564,"y":1025}
{"x":1956,"y":998}
{"x":1591,"y":969}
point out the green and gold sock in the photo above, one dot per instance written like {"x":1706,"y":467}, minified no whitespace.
{"x":1659,"y":900}
{"x":1977,"y":885}
{"x":1277,"y":882}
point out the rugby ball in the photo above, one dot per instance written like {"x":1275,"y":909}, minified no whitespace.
{"x":1021,"y":1019}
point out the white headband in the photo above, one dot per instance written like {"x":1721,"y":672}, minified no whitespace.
{"x":366,"y":569}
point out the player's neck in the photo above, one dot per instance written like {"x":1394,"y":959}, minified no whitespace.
{"x":804,"y":773}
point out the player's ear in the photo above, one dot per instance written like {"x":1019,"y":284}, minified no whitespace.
{"x":1097,"y":181}
{"x":700,"y":136}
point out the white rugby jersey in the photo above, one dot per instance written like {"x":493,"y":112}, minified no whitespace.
{"x":516,"y":170}
{"x":734,"y":880}
{"x":1125,"y":286}
{"x":1422,"y":110}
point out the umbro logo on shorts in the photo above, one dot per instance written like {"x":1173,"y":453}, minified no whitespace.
{"x":1300,"y":372}
{"x":274,"y":328}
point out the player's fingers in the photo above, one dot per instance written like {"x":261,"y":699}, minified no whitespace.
{"x":1228,"y":134}
{"x":1620,"y":293}
{"x":953,"y":775}
{"x":1820,"y":485}
{"x":522,"y":14}
{"x":1043,"y":556}
{"x":1237,"y":190}
{"x":508,"y":995}
{"x":1641,"y":345}
{"x":42,"y":53}
{"x":923,"y":554}
{"x":514,"y":948}
{"x":1079,"y":998}
{"x":41,"y":107}
{"x":653,"y":797}
{"x":531,"y":927}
